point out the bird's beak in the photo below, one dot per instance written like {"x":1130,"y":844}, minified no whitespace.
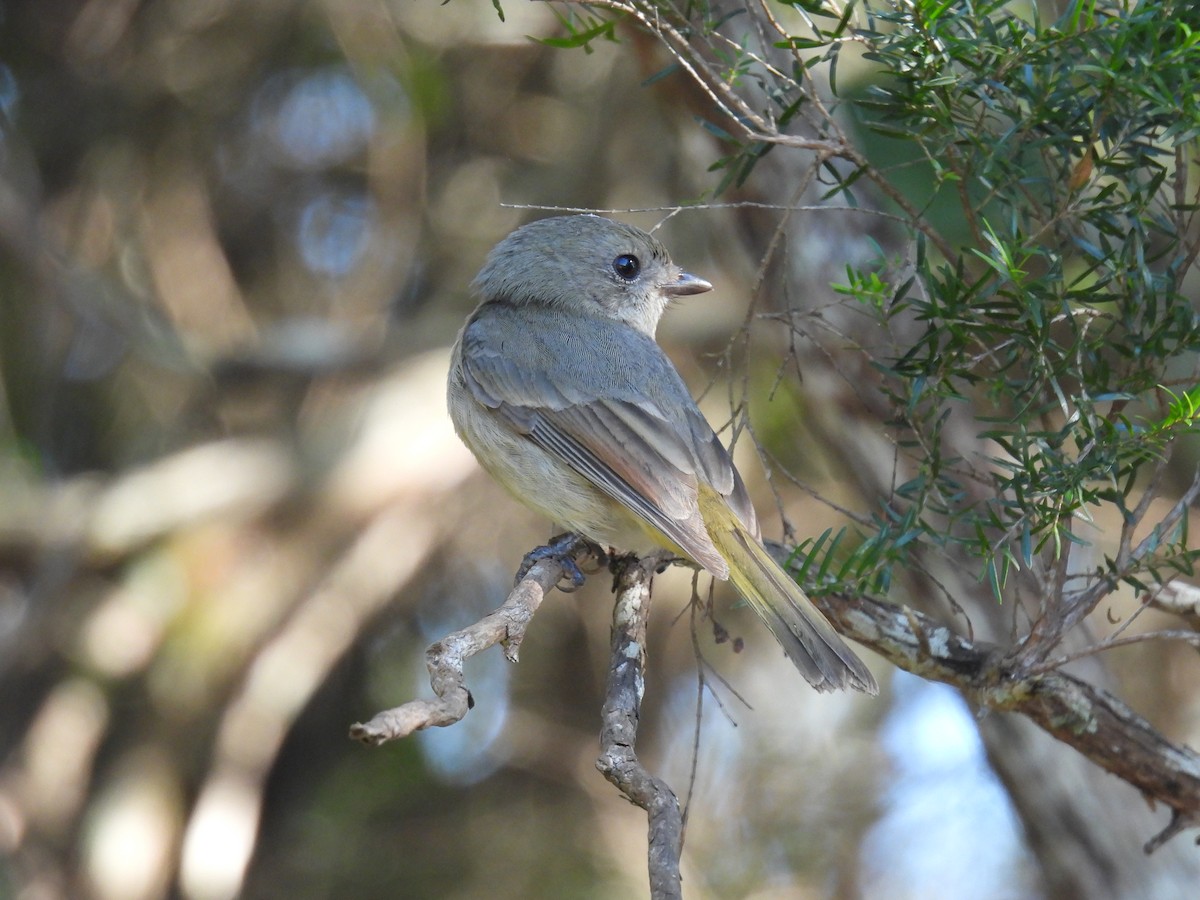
{"x":685,"y":285}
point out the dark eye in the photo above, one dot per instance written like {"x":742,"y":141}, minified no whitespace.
{"x":627,"y":266}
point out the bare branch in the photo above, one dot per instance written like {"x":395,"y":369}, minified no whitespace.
{"x":1082,"y":716}
{"x":445,"y":658}
{"x":618,"y":735}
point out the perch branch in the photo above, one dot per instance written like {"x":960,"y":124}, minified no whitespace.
{"x":445,"y":658}
{"x":618,"y":733}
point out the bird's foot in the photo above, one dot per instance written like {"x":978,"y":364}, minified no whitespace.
{"x":564,"y":549}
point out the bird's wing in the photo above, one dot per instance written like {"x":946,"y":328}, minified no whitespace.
{"x":634,"y":432}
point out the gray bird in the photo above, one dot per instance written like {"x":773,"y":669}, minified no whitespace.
{"x":560,"y":390}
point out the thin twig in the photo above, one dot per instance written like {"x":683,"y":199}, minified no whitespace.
{"x":707,"y":206}
{"x":1188,"y":637}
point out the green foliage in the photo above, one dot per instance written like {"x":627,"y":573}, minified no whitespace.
{"x":580,"y":30}
{"x":1059,"y":310}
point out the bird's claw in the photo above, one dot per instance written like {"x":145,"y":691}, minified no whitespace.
{"x":561,"y":549}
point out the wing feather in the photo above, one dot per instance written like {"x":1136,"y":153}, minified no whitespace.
{"x":637,"y":436}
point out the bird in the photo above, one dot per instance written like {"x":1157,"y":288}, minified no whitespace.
{"x":560,"y":390}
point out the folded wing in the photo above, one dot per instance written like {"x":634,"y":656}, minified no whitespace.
{"x":637,"y":436}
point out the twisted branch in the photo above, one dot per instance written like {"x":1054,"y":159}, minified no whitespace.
{"x":618,"y":735}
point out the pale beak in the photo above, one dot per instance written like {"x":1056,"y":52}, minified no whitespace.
{"x":685,"y":285}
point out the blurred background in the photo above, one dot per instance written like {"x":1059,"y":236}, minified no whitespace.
{"x":235,"y":244}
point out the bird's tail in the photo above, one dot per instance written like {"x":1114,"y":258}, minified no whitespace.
{"x":806,"y":637}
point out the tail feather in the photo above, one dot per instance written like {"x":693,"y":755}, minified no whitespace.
{"x":805,"y":635}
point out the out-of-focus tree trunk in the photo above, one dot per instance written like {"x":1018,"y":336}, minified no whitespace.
{"x":1085,"y":828}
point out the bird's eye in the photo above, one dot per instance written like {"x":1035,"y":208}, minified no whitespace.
{"x":627,"y":266}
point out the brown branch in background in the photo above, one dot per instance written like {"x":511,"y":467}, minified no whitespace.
{"x":445,"y":658}
{"x":1080,"y":715}
{"x":618,"y":734}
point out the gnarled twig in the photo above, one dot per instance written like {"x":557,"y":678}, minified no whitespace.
{"x":618,"y":735}
{"x":445,"y":658}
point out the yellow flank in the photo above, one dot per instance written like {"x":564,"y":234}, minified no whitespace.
{"x":806,"y":637}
